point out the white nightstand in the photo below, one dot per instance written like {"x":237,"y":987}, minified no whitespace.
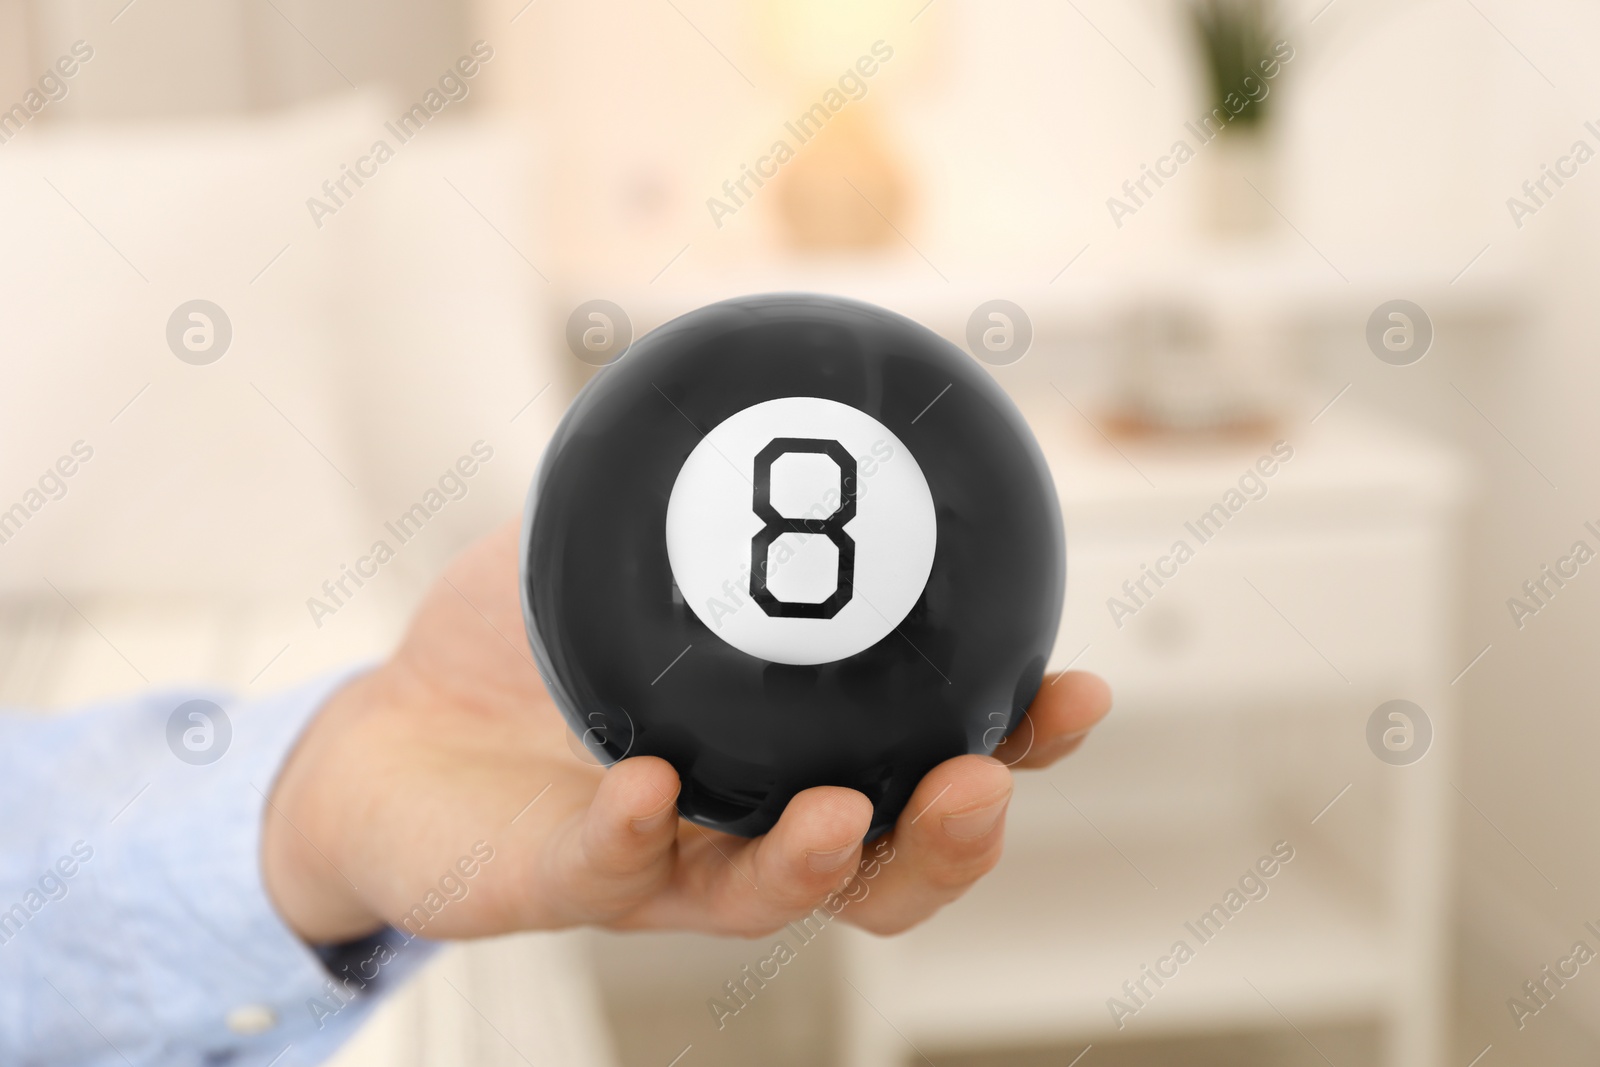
{"x":1243,"y":688}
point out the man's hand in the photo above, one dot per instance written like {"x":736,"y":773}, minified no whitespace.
{"x":454,"y":741}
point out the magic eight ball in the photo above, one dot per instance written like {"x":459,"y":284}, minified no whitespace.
{"x":790,"y":541}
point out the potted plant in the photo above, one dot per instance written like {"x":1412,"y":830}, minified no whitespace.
{"x":1242,"y":60}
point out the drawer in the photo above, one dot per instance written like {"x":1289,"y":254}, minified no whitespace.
{"x":1257,"y":618}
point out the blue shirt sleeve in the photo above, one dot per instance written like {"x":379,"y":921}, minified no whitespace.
{"x":134,"y":924}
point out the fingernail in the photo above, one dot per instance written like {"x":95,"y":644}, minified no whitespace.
{"x":649,"y":824}
{"x":969,"y":824}
{"x":831,"y":861}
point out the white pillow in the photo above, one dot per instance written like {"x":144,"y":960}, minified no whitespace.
{"x":366,"y":355}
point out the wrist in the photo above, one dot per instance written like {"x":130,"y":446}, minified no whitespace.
{"x":304,"y":859}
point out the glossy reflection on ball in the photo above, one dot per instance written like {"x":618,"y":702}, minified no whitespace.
{"x":791,"y":541}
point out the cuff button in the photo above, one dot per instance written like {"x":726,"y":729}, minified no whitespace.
{"x":251,"y":1019}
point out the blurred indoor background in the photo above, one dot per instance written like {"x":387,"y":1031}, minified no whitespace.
{"x":1183,"y":311}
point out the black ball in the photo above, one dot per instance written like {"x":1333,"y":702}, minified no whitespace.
{"x":790,"y":541}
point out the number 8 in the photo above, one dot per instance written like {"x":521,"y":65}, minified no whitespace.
{"x":778,"y":525}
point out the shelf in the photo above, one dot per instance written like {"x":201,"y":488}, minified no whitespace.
{"x":1353,"y":463}
{"x":1032,"y":954}
{"x":1278,"y":275}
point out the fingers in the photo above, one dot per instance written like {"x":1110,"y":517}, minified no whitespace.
{"x":811,"y":852}
{"x":619,"y":850}
{"x":952,"y":831}
{"x":948,"y":837}
{"x":633,"y":863}
{"x":1066,"y":708}
{"x":746,"y":888}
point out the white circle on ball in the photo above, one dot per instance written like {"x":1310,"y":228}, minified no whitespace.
{"x":837,"y":585}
